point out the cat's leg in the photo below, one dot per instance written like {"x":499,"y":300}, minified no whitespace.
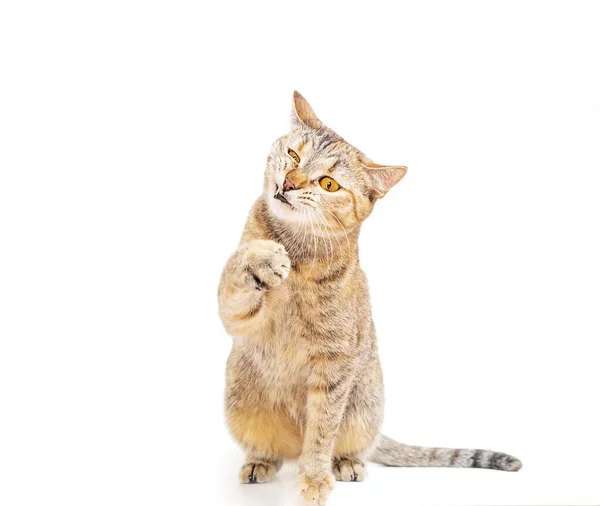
{"x":268,"y":436}
{"x":247,"y":284}
{"x":329,"y":385}
{"x":356,"y":437}
{"x":360,"y":426}
{"x":266,"y":433}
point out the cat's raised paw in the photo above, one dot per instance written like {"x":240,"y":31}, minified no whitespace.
{"x":266,"y":263}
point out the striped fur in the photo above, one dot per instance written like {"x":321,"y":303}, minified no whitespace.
{"x":390,"y":453}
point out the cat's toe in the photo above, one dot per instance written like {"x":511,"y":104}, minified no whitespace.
{"x":257,"y":472}
{"x":348,"y":470}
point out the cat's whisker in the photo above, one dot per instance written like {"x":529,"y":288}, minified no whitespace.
{"x":300,"y":248}
{"x":303,"y":226}
{"x":305,"y":237}
{"x":317,"y":224}
{"x":319,"y":215}
{"x":322,"y":236}
{"x":343,"y":228}
{"x":315,"y":242}
{"x":330,"y":228}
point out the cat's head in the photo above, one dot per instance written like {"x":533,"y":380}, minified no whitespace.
{"x":314,"y":176}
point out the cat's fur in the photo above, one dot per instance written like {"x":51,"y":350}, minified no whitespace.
{"x":303,"y":378}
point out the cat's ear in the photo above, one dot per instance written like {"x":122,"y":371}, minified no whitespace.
{"x":383,"y":177}
{"x":302,"y":112}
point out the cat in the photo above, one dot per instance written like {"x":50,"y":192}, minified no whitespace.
{"x":303,"y":379}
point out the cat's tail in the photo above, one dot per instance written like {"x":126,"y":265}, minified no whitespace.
{"x":390,"y":453}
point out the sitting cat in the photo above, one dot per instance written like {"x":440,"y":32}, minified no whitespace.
{"x":303,"y":377}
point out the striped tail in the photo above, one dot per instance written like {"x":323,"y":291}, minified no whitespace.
{"x":390,"y":453}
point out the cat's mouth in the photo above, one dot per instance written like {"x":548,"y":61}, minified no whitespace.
{"x":279,"y":196}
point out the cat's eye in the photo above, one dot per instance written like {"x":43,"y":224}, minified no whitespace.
{"x":329,"y":184}
{"x":294,"y":155}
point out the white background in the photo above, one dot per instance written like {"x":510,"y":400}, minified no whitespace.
{"x":133,"y":136}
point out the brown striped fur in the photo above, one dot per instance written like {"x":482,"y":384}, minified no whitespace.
{"x":303,"y":378}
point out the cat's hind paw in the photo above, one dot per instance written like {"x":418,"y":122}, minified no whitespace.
{"x":348,"y":469}
{"x":258,"y":472}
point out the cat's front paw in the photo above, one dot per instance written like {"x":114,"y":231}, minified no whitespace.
{"x":266,"y":263}
{"x":315,"y":489}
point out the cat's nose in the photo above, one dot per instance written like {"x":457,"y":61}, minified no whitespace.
{"x":288,"y":185}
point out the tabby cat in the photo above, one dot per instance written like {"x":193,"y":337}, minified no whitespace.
{"x":303,"y":378}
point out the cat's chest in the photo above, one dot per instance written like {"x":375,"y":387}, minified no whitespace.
{"x":304,"y":300}
{"x":309,"y":317}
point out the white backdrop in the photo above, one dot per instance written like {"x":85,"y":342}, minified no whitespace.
{"x":133,"y":136}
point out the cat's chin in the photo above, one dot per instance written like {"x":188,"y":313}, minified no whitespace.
{"x":285,"y":212}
